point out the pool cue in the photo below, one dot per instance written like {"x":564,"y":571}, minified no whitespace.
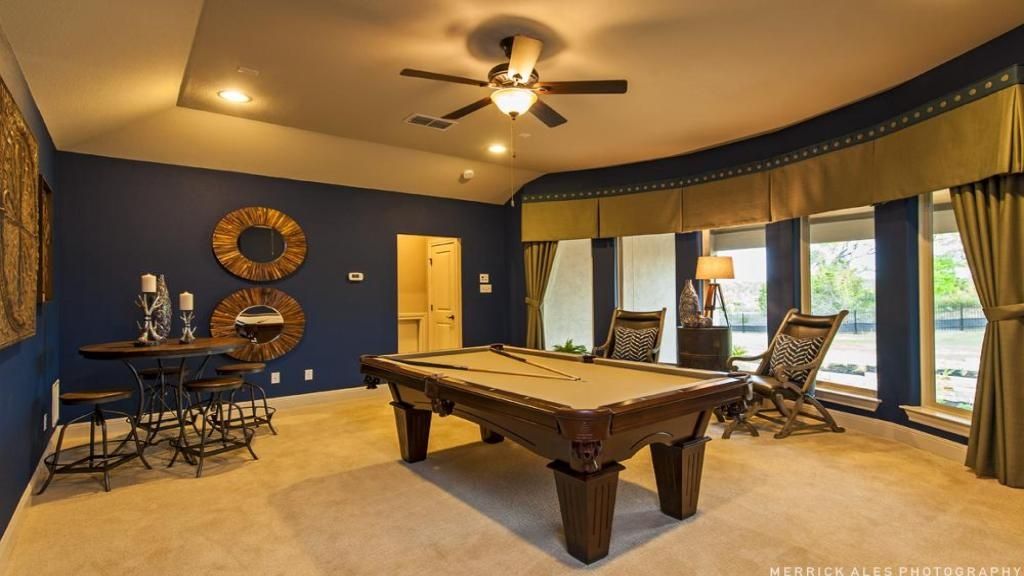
{"x":468,"y":369}
{"x":531,"y":363}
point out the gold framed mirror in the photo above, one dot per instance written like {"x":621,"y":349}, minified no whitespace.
{"x":272,"y":321}
{"x":259,"y":244}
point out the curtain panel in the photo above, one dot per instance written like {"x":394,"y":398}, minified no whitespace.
{"x":538,"y":261}
{"x":990,"y":217}
{"x":965,"y":137}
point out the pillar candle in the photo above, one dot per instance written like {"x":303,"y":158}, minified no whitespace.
{"x":149,"y":284}
{"x":185,"y":301}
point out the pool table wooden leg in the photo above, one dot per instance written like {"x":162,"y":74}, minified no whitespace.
{"x":490,"y":436}
{"x":677,"y":469}
{"x":587,"y":502}
{"x":413,"y":431}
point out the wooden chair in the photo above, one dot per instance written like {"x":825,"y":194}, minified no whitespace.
{"x":635,"y":320}
{"x":765,"y":385}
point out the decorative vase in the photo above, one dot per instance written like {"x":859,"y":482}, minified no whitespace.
{"x":689,"y":306}
{"x":163,"y":315}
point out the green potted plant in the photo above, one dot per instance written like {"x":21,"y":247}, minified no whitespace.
{"x":570,"y":347}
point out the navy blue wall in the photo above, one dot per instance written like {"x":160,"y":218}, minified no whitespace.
{"x":28,"y":367}
{"x":121,"y":218}
{"x":606,"y":286}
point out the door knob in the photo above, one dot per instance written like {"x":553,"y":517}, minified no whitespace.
{"x":451,"y":316}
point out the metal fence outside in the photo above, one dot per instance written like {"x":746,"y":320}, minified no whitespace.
{"x":961,"y":318}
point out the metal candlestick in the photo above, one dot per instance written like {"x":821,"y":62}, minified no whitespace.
{"x":148,"y":302}
{"x":188,"y":331}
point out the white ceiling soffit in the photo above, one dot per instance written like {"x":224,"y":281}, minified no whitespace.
{"x":138,"y":78}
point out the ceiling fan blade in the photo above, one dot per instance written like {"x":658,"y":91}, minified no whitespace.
{"x":525,"y":52}
{"x":547,"y":114}
{"x":583,"y":87}
{"x":466,"y":110}
{"x":442,"y":77}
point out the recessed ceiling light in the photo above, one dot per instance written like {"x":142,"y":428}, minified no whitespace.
{"x":235,"y":96}
{"x":497,"y":149}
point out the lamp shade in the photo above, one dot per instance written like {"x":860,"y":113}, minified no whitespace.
{"x":513,"y":101}
{"x":714,"y":268}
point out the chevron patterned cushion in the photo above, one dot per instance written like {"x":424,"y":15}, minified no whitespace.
{"x":790,"y":351}
{"x":634,"y":344}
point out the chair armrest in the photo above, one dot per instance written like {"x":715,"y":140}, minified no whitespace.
{"x":729,"y":363}
{"x":787,"y":370}
{"x":600,"y":350}
{"x":652,"y":356}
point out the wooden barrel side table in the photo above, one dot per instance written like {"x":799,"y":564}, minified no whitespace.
{"x":704,"y":348}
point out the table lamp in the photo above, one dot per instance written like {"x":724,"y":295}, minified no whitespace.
{"x":714,"y":268}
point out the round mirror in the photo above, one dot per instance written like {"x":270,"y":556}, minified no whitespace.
{"x":259,"y":324}
{"x":261,"y":244}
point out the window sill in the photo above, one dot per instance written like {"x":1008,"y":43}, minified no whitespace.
{"x":939,"y":419}
{"x":845,"y":397}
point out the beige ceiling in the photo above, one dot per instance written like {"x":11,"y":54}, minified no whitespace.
{"x":138,"y":78}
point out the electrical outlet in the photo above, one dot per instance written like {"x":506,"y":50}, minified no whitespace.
{"x":309,"y":374}
{"x":275,"y":377}
{"x":485,"y":289}
{"x":485,"y":278}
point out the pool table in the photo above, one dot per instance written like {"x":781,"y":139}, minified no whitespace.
{"x":585,"y":414}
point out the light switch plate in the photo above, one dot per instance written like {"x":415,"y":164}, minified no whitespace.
{"x":485,"y":288}
{"x":485,"y":278}
{"x":275,"y":377}
{"x":309,"y":374}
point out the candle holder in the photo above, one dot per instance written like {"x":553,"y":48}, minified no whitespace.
{"x":148,"y":302}
{"x":188,"y":331}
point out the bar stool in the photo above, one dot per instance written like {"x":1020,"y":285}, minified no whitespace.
{"x":221,"y":391}
{"x":156,"y":413}
{"x":254,"y":390}
{"x":106,"y":460}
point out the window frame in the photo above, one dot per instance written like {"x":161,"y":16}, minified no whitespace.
{"x":845,"y":394}
{"x":670,"y":311}
{"x":926,"y":289}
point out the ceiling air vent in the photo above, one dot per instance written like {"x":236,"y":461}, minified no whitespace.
{"x":430,"y":122}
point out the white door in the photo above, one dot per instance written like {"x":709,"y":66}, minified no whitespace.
{"x":444,"y":293}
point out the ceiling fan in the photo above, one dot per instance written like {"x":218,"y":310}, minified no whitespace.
{"x":517,"y":84}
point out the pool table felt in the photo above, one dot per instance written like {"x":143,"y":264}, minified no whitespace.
{"x":600,"y":384}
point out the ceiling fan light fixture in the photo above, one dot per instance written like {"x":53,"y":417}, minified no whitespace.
{"x":513,"y":101}
{"x":236,"y":96}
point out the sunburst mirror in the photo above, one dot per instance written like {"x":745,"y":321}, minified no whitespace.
{"x":259,"y":243}
{"x":272,"y":321}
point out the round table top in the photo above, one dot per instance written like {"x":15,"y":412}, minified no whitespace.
{"x":127,"y":349}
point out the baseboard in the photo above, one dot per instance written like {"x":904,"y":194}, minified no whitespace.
{"x":909,"y":436}
{"x":119,"y":427}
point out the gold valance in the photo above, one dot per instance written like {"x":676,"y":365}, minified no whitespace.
{"x":968,"y":144}
{"x":730,"y":202}
{"x":655,"y":212}
{"x":967,"y":136}
{"x":841,"y":179}
{"x":560,"y":220}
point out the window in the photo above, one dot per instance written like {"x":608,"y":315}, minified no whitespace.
{"x":647,"y":272}
{"x":840,"y":267}
{"x":746,"y":295}
{"x":953,"y":324}
{"x":569,"y":300}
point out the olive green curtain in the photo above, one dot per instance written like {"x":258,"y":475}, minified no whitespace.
{"x":990,"y":217}
{"x":538,"y":260}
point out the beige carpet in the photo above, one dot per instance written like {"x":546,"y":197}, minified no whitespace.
{"x":330,"y":496}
